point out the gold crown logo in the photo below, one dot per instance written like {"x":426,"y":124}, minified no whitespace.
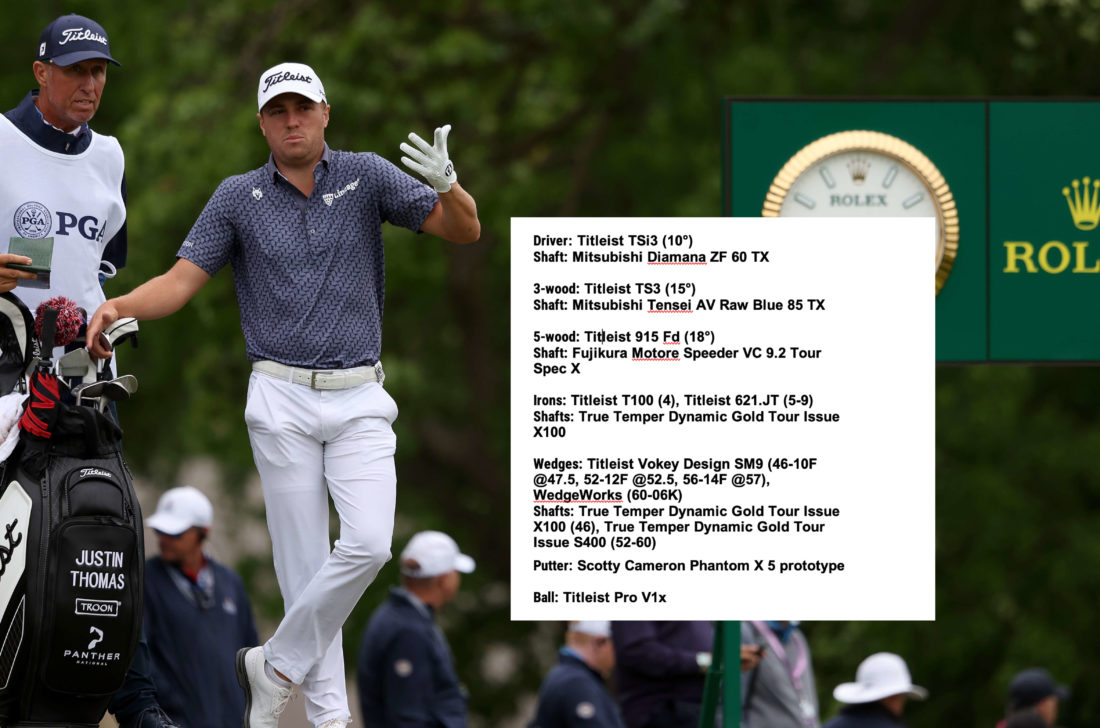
{"x":1084,"y":209}
{"x":858,"y":168}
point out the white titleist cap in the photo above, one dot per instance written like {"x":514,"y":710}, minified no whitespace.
{"x":431,"y":553}
{"x":592,"y":627}
{"x":179,"y":509}
{"x":290,"y":78}
{"x":879,"y":676}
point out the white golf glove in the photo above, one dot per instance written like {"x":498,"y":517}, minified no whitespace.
{"x":431,"y":161}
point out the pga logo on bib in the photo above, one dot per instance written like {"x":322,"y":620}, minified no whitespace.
{"x":33,"y":220}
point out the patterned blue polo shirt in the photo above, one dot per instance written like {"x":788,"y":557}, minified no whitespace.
{"x":309,"y":272}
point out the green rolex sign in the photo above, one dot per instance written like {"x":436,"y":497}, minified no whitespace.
{"x":1014,"y":264}
{"x":1044,"y":247}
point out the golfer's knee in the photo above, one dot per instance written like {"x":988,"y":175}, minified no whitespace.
{"x":368,"y":553}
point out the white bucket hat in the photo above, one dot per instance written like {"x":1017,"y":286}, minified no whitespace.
{"x":879,"y":676}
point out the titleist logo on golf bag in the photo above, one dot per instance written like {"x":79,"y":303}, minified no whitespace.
{"x":285,"y":76}
{"x":15,"y":512}
{"x":96,"y":472}
{"x":7,"y":551}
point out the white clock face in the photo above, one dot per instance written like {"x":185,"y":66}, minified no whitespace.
{"x":861,"y":183}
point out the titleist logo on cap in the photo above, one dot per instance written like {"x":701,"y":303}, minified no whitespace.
{"x":285,"y":76}
{"x":81,"y":34}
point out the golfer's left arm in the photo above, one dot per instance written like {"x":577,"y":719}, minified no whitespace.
{"x":454,"y":217}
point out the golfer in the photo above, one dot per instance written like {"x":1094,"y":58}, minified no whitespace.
{"x":303,"y":234}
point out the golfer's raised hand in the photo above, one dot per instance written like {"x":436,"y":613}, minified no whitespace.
{"x":431,"y":160}
{"x":98,"y":345}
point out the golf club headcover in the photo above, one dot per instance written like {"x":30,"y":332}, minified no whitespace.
{"x":70,"y":317}
{"x":40,"y":417}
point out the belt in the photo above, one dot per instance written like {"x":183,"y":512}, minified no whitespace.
{"x":321,"y":378}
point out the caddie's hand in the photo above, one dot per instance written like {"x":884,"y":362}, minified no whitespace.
{"x":431,"y":161}
{"x":10,"y":277}
{"x":98,"y":345}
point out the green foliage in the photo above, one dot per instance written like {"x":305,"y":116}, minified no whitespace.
{"x":569,"y":108}
{"x":1017,"y":550}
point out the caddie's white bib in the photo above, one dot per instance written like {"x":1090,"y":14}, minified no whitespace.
{"x":76,"y":199}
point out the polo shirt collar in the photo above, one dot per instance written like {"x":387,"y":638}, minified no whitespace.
{"x":566,"y":653}
{"x":273,"y":172}
{"x":414,"y":600}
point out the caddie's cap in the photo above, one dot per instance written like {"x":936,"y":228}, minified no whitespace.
{"x":289,"y":78}
{"x":879,"y":676}
{"x":591,"y":627}
{"x":1031,"y":686}
{"x":71,"y":39}
{"x":431,"y":553}
{"x":180,"y":509}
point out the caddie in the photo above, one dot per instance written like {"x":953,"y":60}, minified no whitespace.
{"x":63,"y":183}
{"x":303,"y":234}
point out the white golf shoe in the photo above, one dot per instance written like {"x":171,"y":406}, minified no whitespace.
{"x":335,"y":723}
{"x":264,"y":700}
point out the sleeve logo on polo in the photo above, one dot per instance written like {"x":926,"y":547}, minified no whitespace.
{"x":586,"y":710}
{"x":256,"y":193}
{"x":403,"y":668}
{"x":330,"y":197}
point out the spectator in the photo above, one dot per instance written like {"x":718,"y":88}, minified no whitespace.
{"x":660,"y":671}
{"x":406,"y":672}
{"x":877,"y":698}
{"x":573,"y":693}
{"x":780,"y":692}
{"x":197,"y":616}
{"x":1034,"y":690}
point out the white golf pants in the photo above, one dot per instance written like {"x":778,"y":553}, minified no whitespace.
{"x":309,"y":445}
